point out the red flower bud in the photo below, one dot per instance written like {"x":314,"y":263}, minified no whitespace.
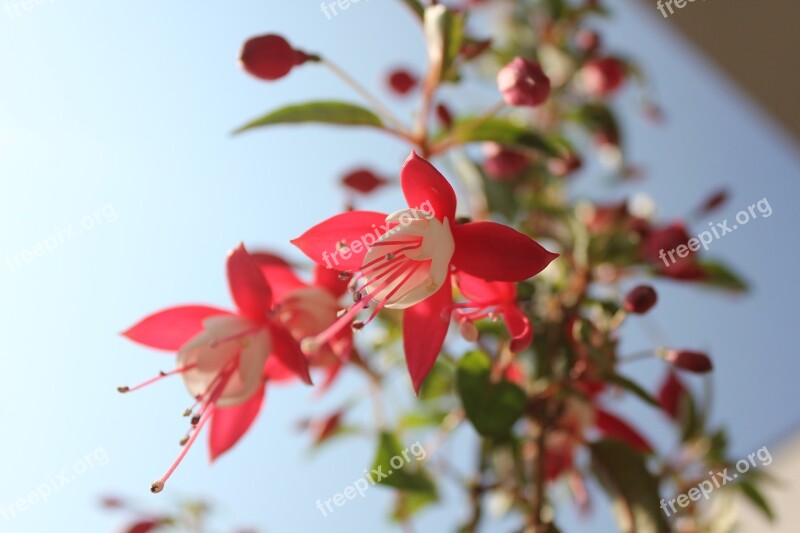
{"x":603,"y":76}
{"x":697,"y":362}
{"x":523,"y":83}
{"x":270,"y":57}
{"x":565,"y":165}
{"x":444,"y":116}
{"x":714,"y":201}
{"x":401,"y":81}
{"x":502,"y":163}
{"x":587,"y":40}
{"x":363,"y":180}
{"x":640,"y":299}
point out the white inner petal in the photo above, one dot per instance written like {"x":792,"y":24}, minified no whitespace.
{"x":431,"y":258}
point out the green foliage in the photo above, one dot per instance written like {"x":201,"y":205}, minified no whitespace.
{"x":334,"y":113}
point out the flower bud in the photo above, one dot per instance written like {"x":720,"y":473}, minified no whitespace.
{"x":363,"y":180}
{"x":587,"y":40}
{"x":270,"y":57}
{"x":502,"y":163}
{"x":401,"y":81}
{"x":603,"y":76}
{"x":444,"y":116}
{"x":523,"y":83}
{"x":697,"y":362}
{"x":640,"y":299}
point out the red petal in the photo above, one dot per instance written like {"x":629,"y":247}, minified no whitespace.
{"x":481,"y":291}
{"x":329,"y":279}
{"x":145,"y":526}
{"x":171,"y":328}
{"x":228,"y":424}
{"x":249,"y":288}
{"x":496,"y":252}
{"x":423,"y":185}
{"x":322,"y":243}
{"x":671,"y":394}
{"x":519,"y":327}
{"x":279,"y":275}
{"x":614,"y":427}
{"x":286,"y":349}
{"x":424,"y":329}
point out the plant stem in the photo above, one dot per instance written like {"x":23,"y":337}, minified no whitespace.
{"x":382,"y":110}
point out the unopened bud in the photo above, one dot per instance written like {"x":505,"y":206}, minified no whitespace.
{"x":523,"y":83}
{"x":640,"y":299}
{"x":690,"y":361}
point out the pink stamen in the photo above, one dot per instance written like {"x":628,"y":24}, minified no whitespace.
{"x":394,"y":243}
{"x":392,"y":292}
{"x":156,"y":379}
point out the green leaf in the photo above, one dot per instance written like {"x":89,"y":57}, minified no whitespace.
{"x":415,"y":7}
{"x":624,"y":474}
{"x":754,"y":495}
{"x":409,"y":476}
{"x":338,"y":113}
{"x":444,"y":33}
{"x":721,"y":277}
{"x":501,"y":131}
{"x":409,"y":503}
{"x":438,"y":382}
{"x":493,"y":408}
{"x":635,"y":389}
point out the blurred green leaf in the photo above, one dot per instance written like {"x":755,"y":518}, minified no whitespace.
{"x":415,"y":8}
{"x":438,"y":382}
{"x":410,"y":476}
{"x":624,"y":474}
{"x":409,"y":503}
{"x":444,"y":33}
{"x":721,"y":277}
{"x":330,"y":112}
{"x":502,"y":131}
{"x":635,"y":389}
{"x":493,"y":408}
{"x":754,"y":495}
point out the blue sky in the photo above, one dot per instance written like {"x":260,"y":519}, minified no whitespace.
{"x":125,"y":109}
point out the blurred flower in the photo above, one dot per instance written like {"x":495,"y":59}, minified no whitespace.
{"x":503,"y":163}
{"x":640,"y":299}
{"x":401,"y":81}
{"x":689,"y":360}
{"x":523,"y":83}
{"x":270,"y":57}
{"x":603,"y":76}
{"x":363,"y":180}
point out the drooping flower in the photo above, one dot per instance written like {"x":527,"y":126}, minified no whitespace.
{"x":222,"y":356}
{"x":404,"y":261}
{"x":489,"y":299}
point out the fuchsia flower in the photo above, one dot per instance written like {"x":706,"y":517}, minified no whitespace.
{"x":488,"y":299}
{"x":523,"y":83}
{"x":270,"y":57}
{"x":222,"y":355}
{"x":404,"y":261}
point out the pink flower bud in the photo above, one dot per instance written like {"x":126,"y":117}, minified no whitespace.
{"x":270,"y":57}
{"x":502,"y":163}
{"x":363,"y":180}
{"x":401,"y":81}
{"x":603,"y":76}
{"x":587,"y":40}
{"x":688,"y":360}
{"x":523,"y":83}
{"x":640,"y":299}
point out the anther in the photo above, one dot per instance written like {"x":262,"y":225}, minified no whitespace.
{"x":358,"y":325}
{"x":123,"y":389}
{"x":156,"y":487}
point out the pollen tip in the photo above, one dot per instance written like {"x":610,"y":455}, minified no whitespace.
{"x":123,"y":389}
{"x":195,"y":420}
{"x":358,"y":325}
{"x":187,"y":412}
{"x":156,"y":487}
{"x":344,"y":276}
{"x":184,"y":440}
{"x":309,"y":345}
{"x":162,"y":373}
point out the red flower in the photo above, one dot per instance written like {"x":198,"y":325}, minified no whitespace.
{"x":603,"y":76}
{"x":404,"y":261}
{"x":659,"y":247}
{"x":270,"y":57}
{"x":523,"y":83}
{"x":401,"y":81}
{"x":222,"y":355}
{"x":487,"y":298}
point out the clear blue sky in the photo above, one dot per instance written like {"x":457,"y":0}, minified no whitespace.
{"x":129,"y":106}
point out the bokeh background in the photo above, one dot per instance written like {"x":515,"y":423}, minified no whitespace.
{"x":125,"y":109}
